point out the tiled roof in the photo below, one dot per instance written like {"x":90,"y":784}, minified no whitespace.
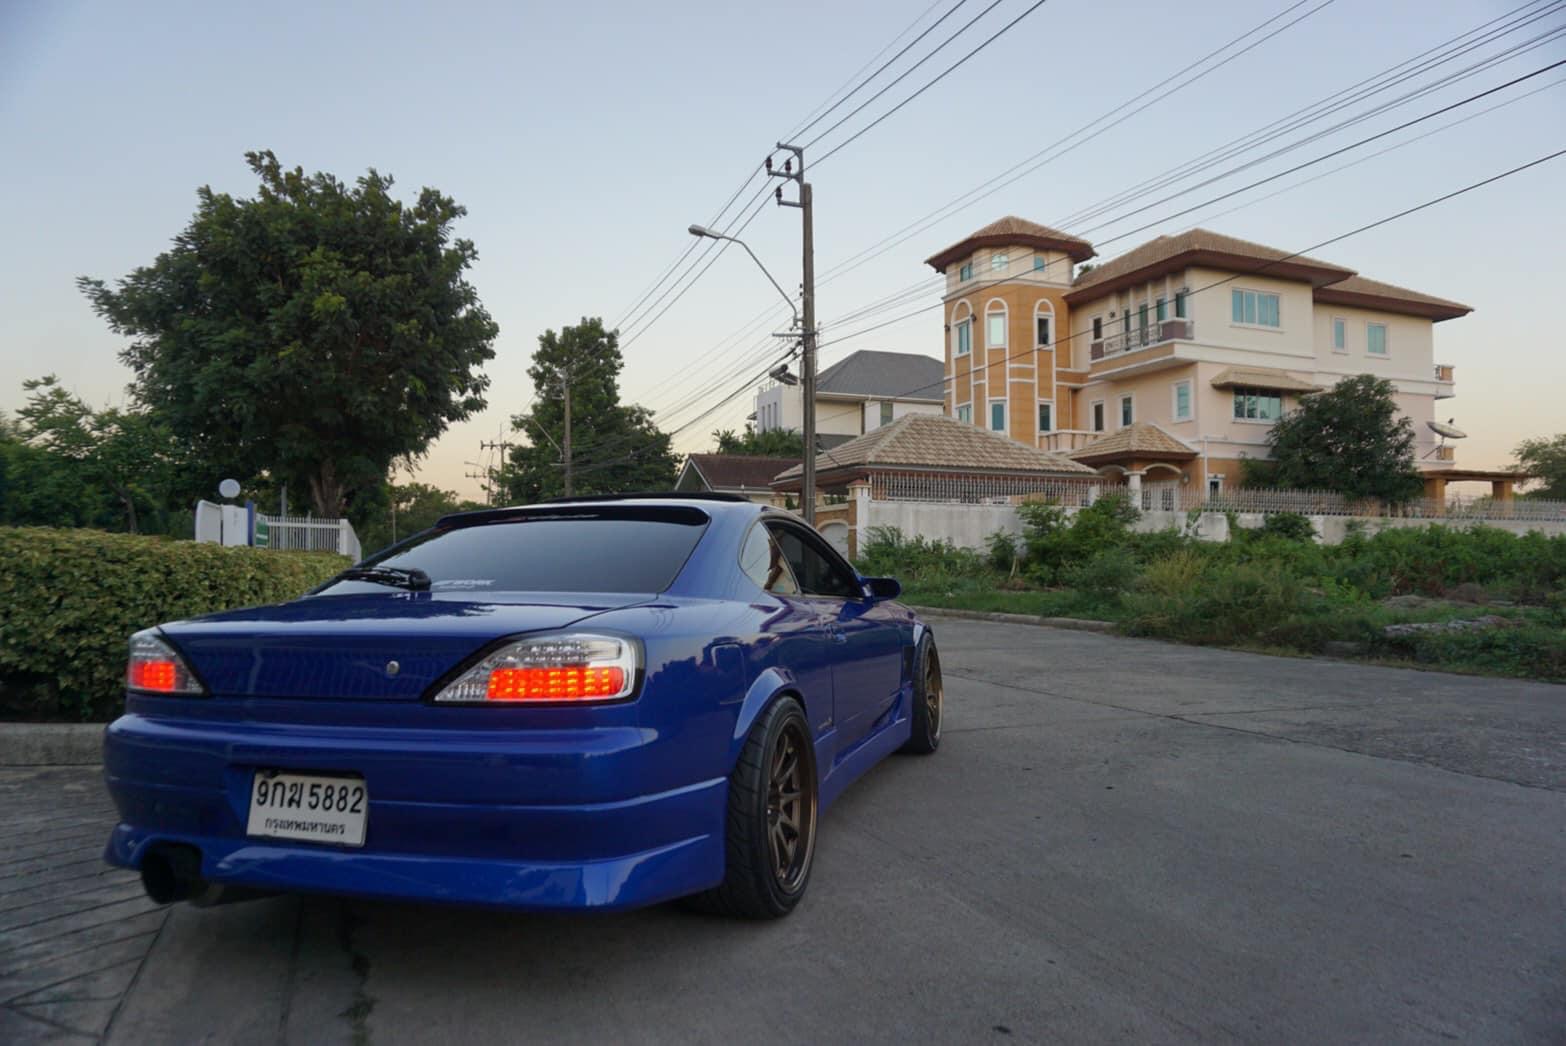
{"x":885,"y":375}
{"x":1141,"y":439}
{"x":738,"y":471}
{"x":935,"y":441}
{"x":1200,"y":247}
{"x":1373,"y":294}
{"x":1262,"y":378}
{"x":1013,"y":230}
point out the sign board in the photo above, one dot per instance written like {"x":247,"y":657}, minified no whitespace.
{"x":263,"y":533}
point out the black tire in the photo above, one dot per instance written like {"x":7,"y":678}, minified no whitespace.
{"x":772,"y":794}
{"x":929,"y":700}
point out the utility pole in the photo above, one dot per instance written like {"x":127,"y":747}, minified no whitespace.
{"x":807,"y":359}
{"x":565,"y":444}
{"x":489,"y":472}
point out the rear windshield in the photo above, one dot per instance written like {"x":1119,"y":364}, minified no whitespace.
{"x":570,"y":550}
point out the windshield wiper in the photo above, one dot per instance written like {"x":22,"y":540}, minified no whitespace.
{"x":413,"y":579}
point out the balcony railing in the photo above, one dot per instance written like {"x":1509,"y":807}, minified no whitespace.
{"x":1443,"y":372}
{"x":1154,"y":333}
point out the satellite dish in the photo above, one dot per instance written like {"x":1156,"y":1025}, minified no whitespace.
{"x":229,"y":488}
{"x":1446,"y":430}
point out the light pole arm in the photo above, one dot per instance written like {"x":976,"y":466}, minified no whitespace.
{"x":697,"y":230}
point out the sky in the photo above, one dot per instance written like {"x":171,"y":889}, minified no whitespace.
{"x":584,"y":138}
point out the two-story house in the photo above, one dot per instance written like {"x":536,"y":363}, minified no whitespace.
{"x":860,"y":393}
{"x":1174,"y":359}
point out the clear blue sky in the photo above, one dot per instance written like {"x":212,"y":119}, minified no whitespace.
{"x":584,"y":138}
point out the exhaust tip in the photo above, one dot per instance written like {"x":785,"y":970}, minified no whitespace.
{"x":171,"y":873}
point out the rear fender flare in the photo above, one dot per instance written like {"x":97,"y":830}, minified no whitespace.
{"x":768,"y":687}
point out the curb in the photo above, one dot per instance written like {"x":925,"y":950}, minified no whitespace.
{"x":51,"y":744}
{"x":1075,"y":624}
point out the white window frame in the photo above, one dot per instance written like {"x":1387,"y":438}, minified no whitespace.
{"x":1004,"y":313}
{"x":887,"y":414}
{"x":964,"y":412}
{"x":1121,"y":402}
{"x":1000,"y":261}
{"x":1051,"y":405}
{"x":989,"y":415}
{"x":1339,"y":324}
{"x":1043,"y":307}
{"x":1190,"y":401}
{"x":1386,"y":341}
{"x":964,"y":310}
{"x":1097,"y":409}
{"x":1258,"y":325}
{"x":965,"y":271}
{"x":1040,"y":261}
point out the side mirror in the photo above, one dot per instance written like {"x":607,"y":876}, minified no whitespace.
{"x":883,"y":587}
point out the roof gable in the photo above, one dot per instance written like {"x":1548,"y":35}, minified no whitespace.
{"x":737,"y":471}
{"x":1202,"y":247}
{"x":1387,"y":297}
{"x":1012,"y":230}
{"x":934,"y":441}
{"x":884,"y":375}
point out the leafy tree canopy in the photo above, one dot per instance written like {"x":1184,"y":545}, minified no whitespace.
{"x":1545,"y":458}
{"x":318,"y":331}
{"x":68,"y":464}
{"x":774,"y":443}
{"x":614,"y":447}
{"x":1351,"y":439}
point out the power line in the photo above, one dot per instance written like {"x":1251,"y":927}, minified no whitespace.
{"x":1247,"y":272}
{"x":920,"y":287}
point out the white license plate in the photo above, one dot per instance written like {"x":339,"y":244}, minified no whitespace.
{"x":308,"y":806}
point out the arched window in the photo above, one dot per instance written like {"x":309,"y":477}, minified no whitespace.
{"x":962,"y":329}
{"x":1043,"y":324}
{"x":995,"y":316}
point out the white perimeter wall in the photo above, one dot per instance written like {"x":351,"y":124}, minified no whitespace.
{"x":969,"y":526}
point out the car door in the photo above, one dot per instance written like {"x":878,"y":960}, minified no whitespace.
{"x":795,"y":632}
{"x":867,"y":665}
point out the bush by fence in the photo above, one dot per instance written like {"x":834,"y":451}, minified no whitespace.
{"x":69,"y":599}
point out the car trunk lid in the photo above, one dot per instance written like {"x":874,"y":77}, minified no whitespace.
{"x":376,"y":647}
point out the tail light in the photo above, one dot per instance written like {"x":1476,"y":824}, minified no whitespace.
{"x":563,"y":668}
{"x":155,"y":668}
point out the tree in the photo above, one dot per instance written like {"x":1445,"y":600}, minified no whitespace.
{"x":1350,"y":439}
{"x":614,"y":447}
{"x":410,"y":508}
{"x":1545,"y":458}
{"x":318,"y":331}
{"x":127,"y":455}
{"x":774,"y":443}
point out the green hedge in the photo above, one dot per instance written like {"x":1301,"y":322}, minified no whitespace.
{"x":69,"y":599}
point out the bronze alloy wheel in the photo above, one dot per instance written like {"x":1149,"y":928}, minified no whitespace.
{"x":932,"y":696}
{"x":791,"y":809}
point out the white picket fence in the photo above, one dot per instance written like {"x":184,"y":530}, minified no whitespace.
{"x":230,"y":525}
{"x":311,"y":534}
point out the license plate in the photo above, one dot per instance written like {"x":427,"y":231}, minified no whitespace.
{"x":311,"y":807}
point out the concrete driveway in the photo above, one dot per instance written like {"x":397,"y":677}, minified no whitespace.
{"x":1120,"y":840}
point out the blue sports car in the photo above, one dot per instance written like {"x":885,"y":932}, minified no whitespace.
{"x":591,"y":703}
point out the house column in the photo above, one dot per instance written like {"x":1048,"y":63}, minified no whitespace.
{"x":858,"y":513}
{"x":1501,"y":489}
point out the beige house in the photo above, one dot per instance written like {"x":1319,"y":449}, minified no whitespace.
{"x":859,"y":393}
{"x":1202,"y":340}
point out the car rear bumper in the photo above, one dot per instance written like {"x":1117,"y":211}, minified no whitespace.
{"x":519,"y":842}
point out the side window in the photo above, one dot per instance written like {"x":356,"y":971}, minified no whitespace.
{"x":817,"y":571}
{"x":762,"y":561}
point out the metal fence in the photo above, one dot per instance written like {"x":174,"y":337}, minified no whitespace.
{"x":1174,"y":497}
{"x":954,"y":488}
{"x":309,"y":534}
{"x":977,"y":489}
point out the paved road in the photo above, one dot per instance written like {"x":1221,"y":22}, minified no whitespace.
{"x":1119,"y":840}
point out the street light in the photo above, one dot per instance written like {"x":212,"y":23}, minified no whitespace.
{"x":700,"y":231}
{"x":807,"y":492}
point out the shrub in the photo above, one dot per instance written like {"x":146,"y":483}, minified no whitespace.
{"x":1291,"y":526}
{"x":1002,"y":552}
{"x":69,"y":599}
{"x":885,"y":551}
{"x":1054,"y":542}
{"x":1104,"y":577}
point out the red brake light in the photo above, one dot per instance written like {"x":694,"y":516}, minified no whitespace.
{"x":154,"y":675}
{"x":570,"y":683}
{"x":155,"y":668}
